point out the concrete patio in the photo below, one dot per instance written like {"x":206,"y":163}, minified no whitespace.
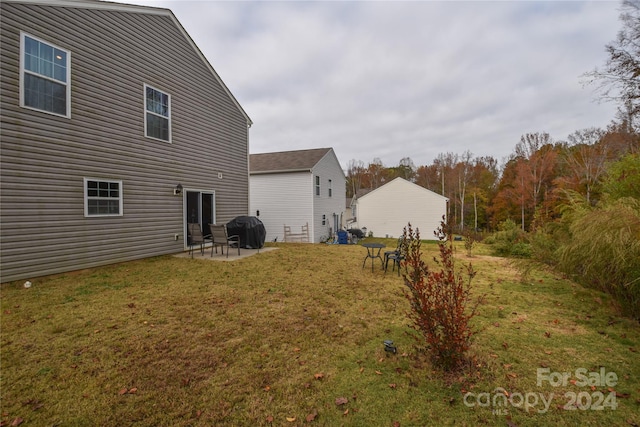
{"x":233,"y":254}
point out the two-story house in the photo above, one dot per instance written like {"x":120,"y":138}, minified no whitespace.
{"x":116,"y":133}
{"x":298,"y":188}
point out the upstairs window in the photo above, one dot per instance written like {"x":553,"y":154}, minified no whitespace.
{"x":45,"y":76}
{"x":330,"y":189}
{"x":317,"y":185}
{"x":102,"y":197}
{"x":157,"y":118}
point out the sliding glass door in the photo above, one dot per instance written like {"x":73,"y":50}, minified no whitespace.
{"x":200,"y":208}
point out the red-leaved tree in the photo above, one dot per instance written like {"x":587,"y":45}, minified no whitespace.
{"x":439,"y":300}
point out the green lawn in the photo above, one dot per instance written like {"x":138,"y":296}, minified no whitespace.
{"x":295,"y":336}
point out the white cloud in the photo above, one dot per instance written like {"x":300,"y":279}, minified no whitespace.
{"x":398,"y":79}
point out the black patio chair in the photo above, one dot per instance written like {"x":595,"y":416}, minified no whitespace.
{"x":397,"y":255}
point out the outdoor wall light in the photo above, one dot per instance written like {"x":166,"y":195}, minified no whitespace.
{"x":178,"y":190}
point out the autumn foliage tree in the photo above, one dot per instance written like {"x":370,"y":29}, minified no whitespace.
{"x":440,"y":300}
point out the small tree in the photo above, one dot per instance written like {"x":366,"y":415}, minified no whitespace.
{"x":439,"y":300}
{"x":469,"y":240}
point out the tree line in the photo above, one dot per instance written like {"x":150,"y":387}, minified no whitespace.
{"x":531,"y":186}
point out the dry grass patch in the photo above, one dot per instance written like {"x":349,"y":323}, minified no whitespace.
{"x":277,"y":338}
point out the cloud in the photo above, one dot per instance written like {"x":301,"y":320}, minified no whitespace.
{"x":405,"y":79}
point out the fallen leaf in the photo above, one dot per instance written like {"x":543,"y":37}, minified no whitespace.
{"x":361,"y":370}
{"x":392,"y":385}
{"x":505,"y":345}
{"x":396,"y":424}
{"x":547,"y":352}
{"x":123,"y":391}
{"x":134,"y":390}
{"x":267,"y":388}
{"x":512,"y":375}
{"x":346,"y":412}
{"x":341,"y":401}
{"x":507,"y":365}
{"x":17,"y":421}
{"x":311,"y":417}
{"x":269,"y":419}
{"x":318,"y":376}
{"x":547,"y":334}
{"x":497,"y":324}
{"x":291,"y":419}
{"x":378,"y":372}
{"x":297,"y":349}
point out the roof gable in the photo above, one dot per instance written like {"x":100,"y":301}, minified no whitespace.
{"x":401,"y":182}
{"x":287,"y":161}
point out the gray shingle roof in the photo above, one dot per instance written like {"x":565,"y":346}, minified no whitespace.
{"x":286,"y":161}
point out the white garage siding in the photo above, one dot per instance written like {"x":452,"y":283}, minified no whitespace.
{"x":282,"y":199}
{"x":388,"y":209}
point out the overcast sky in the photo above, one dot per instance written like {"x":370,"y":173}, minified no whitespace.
{"x":390,"y":80}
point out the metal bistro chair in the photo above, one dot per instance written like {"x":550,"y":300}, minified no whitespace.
{"x":195,"y":238}
{"x":396,"y":256}
{"x":222,"y":239}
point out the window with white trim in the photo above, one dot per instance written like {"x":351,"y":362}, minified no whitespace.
{"x":45,"y":76}
{"x":157,"y":117}
{"x":317,"y":185}
{"x":330,"y":189}
{"x":102,"y":197}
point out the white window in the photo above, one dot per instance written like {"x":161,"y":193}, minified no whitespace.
{"x":157,"y":117}
{"x":330,"y":189}
{"x":317,"y":185}
{"x":45,"y":76}
{"x":102,"y":197}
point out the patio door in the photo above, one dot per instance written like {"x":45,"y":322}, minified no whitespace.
{"x":200,"y":208}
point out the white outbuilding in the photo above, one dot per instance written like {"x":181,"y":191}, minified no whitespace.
{"x":302,"y":191}
{"x":386,"y":210}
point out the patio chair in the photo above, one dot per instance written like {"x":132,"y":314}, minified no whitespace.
{"x":399,"y":254}
{"x":195,"y":237}
{"x":222,"y":239}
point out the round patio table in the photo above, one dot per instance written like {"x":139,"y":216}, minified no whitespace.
{"x":373,"y":251}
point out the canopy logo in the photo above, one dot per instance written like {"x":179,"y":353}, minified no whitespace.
{"x":500,"y":400}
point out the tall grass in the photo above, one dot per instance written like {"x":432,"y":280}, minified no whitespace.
{"x":603,"y":251}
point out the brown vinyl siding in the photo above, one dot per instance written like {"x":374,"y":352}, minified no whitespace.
{"x":45,"y":157}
